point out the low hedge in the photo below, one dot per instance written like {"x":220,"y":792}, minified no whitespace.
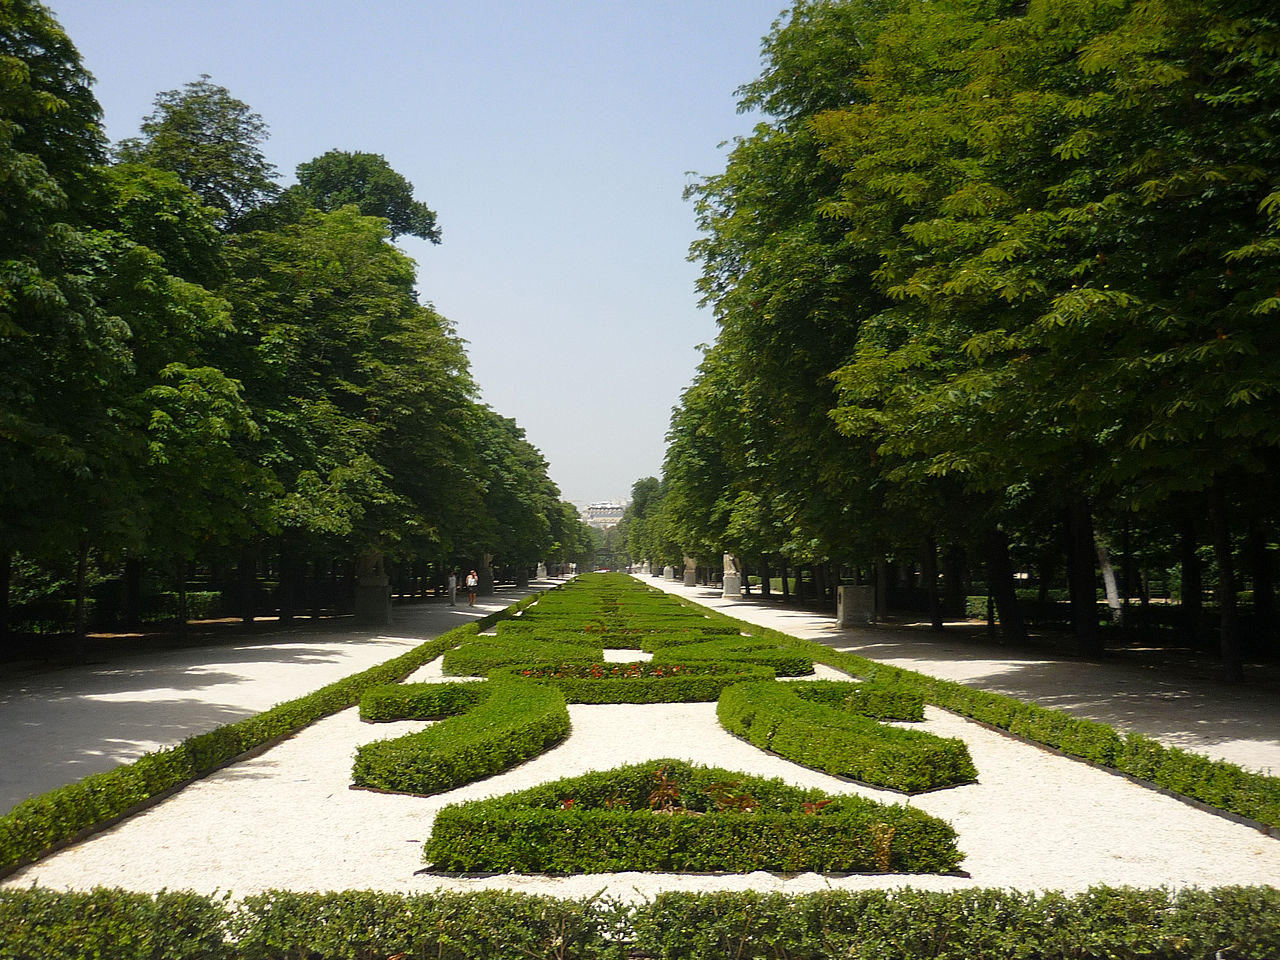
{"x":514,"y":722}
{"x":671,"y":816}
{"x":479,"y":657}
{"x":865,"y":699}
{"x":776,"y":717}
{"x":636,"y":683}
{"x":41,"y":824}
{"x":1215,"y":783}
{"x":783,"y":661}
{"x":420,"y":701}
{"x":1232,"y":923}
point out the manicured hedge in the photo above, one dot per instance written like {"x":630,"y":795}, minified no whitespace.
{"x":485,"y":654}
{"x":1215,"y":783}
{"x":39,"y":825}
{"x":865,"y":699}
{"x":616,"y":683}
{"x":785,"y":662}
{"x":514,"y":722}
{"x":775,"y":716}
{"x":420,"y":701}
{"x":671,"y":816}
{"x":1233,"y":923}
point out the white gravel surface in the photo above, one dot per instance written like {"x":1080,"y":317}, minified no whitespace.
{"x":289,"y":819}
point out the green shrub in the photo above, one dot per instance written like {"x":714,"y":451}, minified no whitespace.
{"x":775,"y":716}
{"x":420,"y":701}
{"x":636,"y":683}
{"x":784,"y":661}
{"x":865,"y":699}
{"x":480,"y":657}
{"x":114,"y":924}
{"x":514,"y":722}
{"x":667,"y":815}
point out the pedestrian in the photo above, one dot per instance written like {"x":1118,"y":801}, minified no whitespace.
{"x":473,"y":582}
{"x":453,"y":588}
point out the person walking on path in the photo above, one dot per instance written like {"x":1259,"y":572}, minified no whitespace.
{"x":473,"y":582}
{"x":453,"y":588}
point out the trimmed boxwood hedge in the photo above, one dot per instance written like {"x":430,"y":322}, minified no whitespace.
{"x":865,"y":699}
{"x":608,"y":822}
{"x":511,"y":724}
{"x":1217,"y":784}
{"x":39,"y":825}
{"x":777,"y":717}
{"x":785,"y":662}
{"x":485,"y":654}
{"x":420,"y":701}
{"x":1232,"y":923}
{"x":694,"y":682}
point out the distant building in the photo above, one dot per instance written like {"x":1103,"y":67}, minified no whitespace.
{"x":603,"y":514}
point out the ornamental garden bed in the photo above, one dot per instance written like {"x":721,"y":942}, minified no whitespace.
{"x":671,"y":816}
{"x":640,"y":682}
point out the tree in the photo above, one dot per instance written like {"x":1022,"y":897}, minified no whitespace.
{"x":212,"y":141}
{"x":338,"y":178}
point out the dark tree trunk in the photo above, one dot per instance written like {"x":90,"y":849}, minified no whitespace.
{"x":81,"y":607}
{"x":246,"y":581}
{"x":786,"y":583}
{"x":131,"y":615}
{"x":953,"y":575}
{"x":1000,"y":583}
{"x":1082,"y":579}
{"x":1262,"y":570}
{"x":522,"y":576}
{"x":1191,"y":607}
{"x":820,"y":583}
{"x":765,"y":573}
{"x":285,"y":587}
{"x":183,"y":613}
{"x":929,"y":572}
{"x":1229,"y":640}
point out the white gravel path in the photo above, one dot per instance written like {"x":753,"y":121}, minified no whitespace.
{"x":288,"y":819}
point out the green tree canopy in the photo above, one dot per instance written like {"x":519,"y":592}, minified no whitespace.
{"x":339,"y":177}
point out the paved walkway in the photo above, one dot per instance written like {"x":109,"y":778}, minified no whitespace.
{"x":63,"y":724}
{"x":1179,"y":706}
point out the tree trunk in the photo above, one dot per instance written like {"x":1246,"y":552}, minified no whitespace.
{"x":786,"y":583}
{"x":183,"y":613}
{"x":953,"y":576}
{"x":131,"y":614}
{"x":1081,"y":579}
{"x":1229,"y":641}
{"x":285,"y":588}
{"x":765,"y":573}
{"x":1191,"y":603}
{"x":81,"y":611}
{"x":1108,"y":579}
{"x":1000,"y":583}
{"x":1264,"y":588}
{"x":929,"y":572}
{"x":246,"y":579}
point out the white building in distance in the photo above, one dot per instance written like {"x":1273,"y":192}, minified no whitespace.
{"x":603,"y":514}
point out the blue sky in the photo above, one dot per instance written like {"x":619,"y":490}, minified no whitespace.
{"x":553,"y":139}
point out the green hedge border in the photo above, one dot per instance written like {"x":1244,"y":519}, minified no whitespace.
{"x":41,"y":825}
{"x":1116,"y":924}
{"x":778,"y":717}
{"x":601,"y":822}
{"x":1214,"y":786}
{"x":705,"y":682}
{"x":513,"y":723}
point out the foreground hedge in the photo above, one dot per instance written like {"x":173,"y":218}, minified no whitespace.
{"x":485,"y":654}
{"x":511,"y":723}
{"x":784,"y":661}
{"x":1231,"y":923}
{"x":671,"y":816}
{"x":778,"y":717}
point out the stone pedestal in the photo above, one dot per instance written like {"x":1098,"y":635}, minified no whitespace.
{"x":542,"y":571}
{"x":732,"y":586}
{"x":855,"y":605}
{"x":690,"y":572}
{"x":668,"y":573}
{"x":646,"y":569}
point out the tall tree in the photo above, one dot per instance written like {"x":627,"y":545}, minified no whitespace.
{"x":337,"y":178}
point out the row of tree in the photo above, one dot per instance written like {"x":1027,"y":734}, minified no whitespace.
{"x":997,"y":282}
{"x":203,"y":369}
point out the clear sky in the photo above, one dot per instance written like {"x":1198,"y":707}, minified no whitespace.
{"x":553,"y":138}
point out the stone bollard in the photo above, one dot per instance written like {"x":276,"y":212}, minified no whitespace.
{"x":732,"y":586}
{"x":855,"y":605}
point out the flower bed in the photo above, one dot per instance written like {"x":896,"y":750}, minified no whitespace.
{"x":778,"y":717}
{"x":618,"y":683}
{"x":670,"y":816}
